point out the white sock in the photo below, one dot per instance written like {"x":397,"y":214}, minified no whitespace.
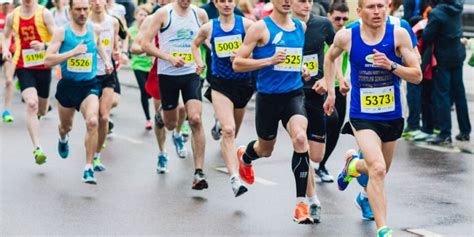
{"x":65,"y":140}
{"x":97,"y":155}
{"x":314,"y":200}
{"x":88,"y":166}
{"x":234,"y":177}
{"x":363,"y":194}
{"x":163,"y":152}
{"x":299,"y":200}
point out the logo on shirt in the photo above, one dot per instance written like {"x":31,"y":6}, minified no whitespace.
{"x":369,"y":58}
{"x":184,"y":34}
{"x":277,"y":40}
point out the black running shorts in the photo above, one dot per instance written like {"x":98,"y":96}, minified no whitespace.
{"x":189,"y":85}
{"x":37,"y":78}
{"x":238,"y":91}
{"x":107,"y":81}
{"x":387,"y":130}
{"x":70,"y":93}
{"x":316,"y":130}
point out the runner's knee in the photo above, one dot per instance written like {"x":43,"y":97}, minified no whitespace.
{"x":377,"y":171}
{"x":228,"y":131}
{"x":92,"y":123}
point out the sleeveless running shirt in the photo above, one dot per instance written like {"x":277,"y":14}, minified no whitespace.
{"x":176,"y":39}
{"x":107,"y":40}
{"x":376,"y":91}
{"x":223,"y":45}
{"x":81,"y":67}
{"x":27,"y":30}
{"x":284,"y":77}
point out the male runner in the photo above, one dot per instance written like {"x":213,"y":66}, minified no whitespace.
{"x":75,"y":47}
{"x":319,"y":31}
{"x":276,"y":43}
{"x":109,"y":39}
{"x":376,"y":51}
{"x":178,"y":24}
{"x":33,"y":25}
{"x":230,"y":91}
{"x":8,"y":67}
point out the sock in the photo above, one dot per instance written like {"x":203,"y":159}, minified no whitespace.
{"x":233,"y":177}
{"x":314,"y":200}
{"x":353,"y":169}
{"x":300,"y":167}
{"x":250,"y":154}
{"x":363,"y":194}
{"x":65,"y":140}
{"x":88,"y":166}
{"x":163,"y":152}
{"x":299,"y":200}
{"x":97,"y":155}
{"x":198,"y":171}
{"x":381,"y":228}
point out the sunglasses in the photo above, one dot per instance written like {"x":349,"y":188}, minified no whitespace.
{"x":338,"y":18}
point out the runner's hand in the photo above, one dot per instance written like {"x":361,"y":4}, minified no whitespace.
{"x":305,"y":73}
{"x":232,"y":57}
{"x":81,"y":48}
{"x":7,"y":56}
{"x":116,"y":55}
{"x":36,"y":45}
{"x":278,"y":57}
{"x":200,"y":68}
{"x":344,"y":87}
{"x":381,"y":60}
{"x":329,"y":104}
{"x":320,"y":87}
{"x":109,"y":68}
{"x":176,"y":61}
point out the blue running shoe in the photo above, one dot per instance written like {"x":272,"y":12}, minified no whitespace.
{"x":63,"y":149}
{"x":97,"y":164}
{"x":162,"y":166}
{"x":178,"y":141}
{"x":384,"y":232}
{"x":88,"y":177}
{"x":7,"y":117}
{"x":344,"y":177}
{"x":363,"y":204}
{"x":363,"y":179}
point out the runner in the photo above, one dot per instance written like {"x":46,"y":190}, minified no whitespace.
{"x":376,"y":49}
{"x":276,"y":43}
{"x":8,"y":67}
{"x":229,"y":91}
{"x":32,"y":26}
{"x":319,"y":31}
{"x":78,"y":44}
{"x":109,"y":27}
{"x":177,"y":24}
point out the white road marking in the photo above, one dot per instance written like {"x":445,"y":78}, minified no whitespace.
{"x":257,"y":179}
{"x":128,"y":139}
{"x":439,"y":148}
{"x":424,"y":233}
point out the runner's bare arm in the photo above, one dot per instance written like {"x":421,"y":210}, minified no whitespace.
{"x":203,"y":18}
{"x":203,"y":34}
{"x":116,"y":50}
{"x":52,"y":57}
{"x":243,"y":62}
{"x":49,"y":21}
{"x":149,"y":33}
{"x":247,"y":24}
{"x":136,"y":47}
{"x":411,"y":72}
{"x":7,"y":34}
{"x":101,"y":50}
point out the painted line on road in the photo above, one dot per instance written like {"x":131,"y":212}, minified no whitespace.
{"x":257,"y":179}
{"x":424,"y":233}
{"x":125,"y":138}
{"x":439,"y":148}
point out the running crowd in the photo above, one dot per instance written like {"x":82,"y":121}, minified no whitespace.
{"x":295,"y":62}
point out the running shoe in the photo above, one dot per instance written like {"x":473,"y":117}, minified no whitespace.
{"x":315,"y":213}
{"x":422,"y":136}
{"x":7,"y":117}
{"x":409,"y":136}
{"x":237,"y":186}
{"x":440,"y":141}
{"x":216,"y":131}
{"x":97,"y":164}
{"x":199,"y":182}
{"x":363,"y":204}
{"x":185,"y":130}
{"x":162,"y":165}
{"x":245,"y":171}
{"x":88,"y":177}
{"x":384,"y":232}
{"x":40,"y":157}
{"x":324,"y":175}
{"x":158,"y":119}
{"x":301,"y":215}
{"x":178,"y":141}
{"x":463,"y":137}
{"x":148,"y":125}
{"x":111,"y":127}
{"x":408,"y":132}
{"x":436,"y":131}
{"x":344,"y":177}
{"x":63,"y":149}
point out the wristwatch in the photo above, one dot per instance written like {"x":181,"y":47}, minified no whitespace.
{"x":393,"y":66}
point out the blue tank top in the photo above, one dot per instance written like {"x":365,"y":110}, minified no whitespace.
{"x":284,"y":77}
{"x":81,"y":67}
{"x":375,"y":91}
{"x":223,"y":45}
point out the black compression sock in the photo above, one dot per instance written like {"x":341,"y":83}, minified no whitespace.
{"x":300,"y":167}
{"x":250,"y":154}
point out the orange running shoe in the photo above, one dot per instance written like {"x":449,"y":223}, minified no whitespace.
{"x":301,"y":215}
{"x":245,"y":171}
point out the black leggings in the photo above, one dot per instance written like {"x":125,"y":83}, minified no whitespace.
{"x":141,"y":79}
{"x":334,"y":124}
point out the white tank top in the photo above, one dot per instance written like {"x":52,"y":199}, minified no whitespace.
{"x":107,"y":40}
{"x":176,"y":38}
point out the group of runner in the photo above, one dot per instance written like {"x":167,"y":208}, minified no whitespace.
{"x":291,"y":63}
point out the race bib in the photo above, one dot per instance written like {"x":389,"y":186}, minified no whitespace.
{"x":312,"y":63}
{"x":226,"y":45}
{"x":32,"y":57}
{"x":81,"y":63}
{"x":183,"y":52}
{"x":293,"y":60}
{"x":377,"y":100}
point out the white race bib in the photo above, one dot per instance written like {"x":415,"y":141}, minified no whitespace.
{"x":226,"y":45}
{"x":81,"y":63}
{"x":32,"y":57}
{"x":293,"y":60}
{"x":183,"y":52}
{"x":312,"y":63}
{"x":377,"y":100}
